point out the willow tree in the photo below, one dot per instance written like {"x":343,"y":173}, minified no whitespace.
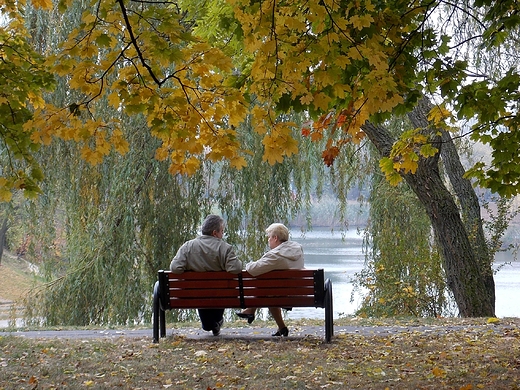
{"x":403,"y":275}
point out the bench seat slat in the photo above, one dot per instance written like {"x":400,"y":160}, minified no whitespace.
{"x":251,"y":292}
{"x":205,"y":293}
{"x":282,"y":274}
{"x":278,"y":291}
{"x":204,"y":284}
{"x":222,"y":303}
{"x":197,"y":303}
{"x":217,"y":275}
{"x":287,"y":301}
{"x":276,"y":283}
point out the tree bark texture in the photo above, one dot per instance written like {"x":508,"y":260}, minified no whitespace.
{"x":463,"y":272}
{"x":466,"y":196}
{"x":3,"y":233}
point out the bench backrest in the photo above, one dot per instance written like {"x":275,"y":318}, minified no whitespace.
{"x":201,"y":290}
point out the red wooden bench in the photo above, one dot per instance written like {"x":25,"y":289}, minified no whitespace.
{"x":212,"y":290}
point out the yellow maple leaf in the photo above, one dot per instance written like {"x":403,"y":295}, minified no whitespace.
{"x":121,"y":145}
{"x":362,"y":21}
{"x":5,"y":190}
{"x":43,"y":4}
{"x":394,"y":178}
{"x":191,"y":166}
{"x":290,"y":146}
{"x":354,"y":54}
{"x":272,"y":152}
{"x":93,"y":157}
{"x":36,"y":100}
{"x":341,"y":90}
{"x":114,"y":99}
{"x":439,"y":115}
{"x":161,"y":153}
{"x":409,"y":163}
{"x":387,"y":167}
{"x":306,"y":99}
{"x":321,"y":101}
{"x":238,"y":162}
{"x":102,"y":145}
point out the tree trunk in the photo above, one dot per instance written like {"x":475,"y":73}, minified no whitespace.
{"x":3,"y":233}
{"x":464,"y":276}
{"x":467,"y":198}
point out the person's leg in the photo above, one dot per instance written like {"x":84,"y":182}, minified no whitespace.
{"x":211,"y":318}
{"x":248,"y":314}
{"x":248,"y":311}
{"x":276,"y":312}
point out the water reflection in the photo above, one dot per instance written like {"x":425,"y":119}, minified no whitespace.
{"x":341,"y":257}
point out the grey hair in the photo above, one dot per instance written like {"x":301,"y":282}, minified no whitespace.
{"x":279,"y":230}
{"x":211,"y":223}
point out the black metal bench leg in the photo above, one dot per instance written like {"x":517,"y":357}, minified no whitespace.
{"x":156,"y":312}
{"x":162,"y":320}
{"x":329,"y":314}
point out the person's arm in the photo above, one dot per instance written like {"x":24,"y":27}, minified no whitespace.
{"x":232,"y":265}
{"x":179,"y":262}
{"x":270,"y":261}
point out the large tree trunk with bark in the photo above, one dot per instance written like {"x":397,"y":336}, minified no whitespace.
{"x":466,"y":196}
{"x":466,"y":276}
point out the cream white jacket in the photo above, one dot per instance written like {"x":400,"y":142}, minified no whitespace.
{"x":287,"y":255}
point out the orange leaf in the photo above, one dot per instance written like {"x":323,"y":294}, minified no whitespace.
{"x":341,"y":120}
{"x":329,"y":155}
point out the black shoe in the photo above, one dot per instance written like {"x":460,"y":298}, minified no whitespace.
{"x":216,"y":329}
{"x":250,"y":317}
{"x":281,"y":332}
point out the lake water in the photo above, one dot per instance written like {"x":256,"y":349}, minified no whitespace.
{"x":342,"y":258}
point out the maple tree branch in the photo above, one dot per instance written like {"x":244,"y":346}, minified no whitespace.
{"x":136,"y":46}
{"x":156,"y":2}
{"x":466,"y":13}
{"x":133,"y":42}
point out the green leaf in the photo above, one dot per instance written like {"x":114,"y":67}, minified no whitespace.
{"x":104,"y":40}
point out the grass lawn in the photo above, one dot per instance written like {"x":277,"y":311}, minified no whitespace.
{"x":455,"y":354}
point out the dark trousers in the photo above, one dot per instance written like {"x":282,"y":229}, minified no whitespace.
{"x":210,"y":317}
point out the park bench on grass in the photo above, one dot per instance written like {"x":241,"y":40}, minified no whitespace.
{"x":213,"y":290}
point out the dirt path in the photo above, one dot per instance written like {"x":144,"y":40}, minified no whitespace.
{"x":257,"y":332}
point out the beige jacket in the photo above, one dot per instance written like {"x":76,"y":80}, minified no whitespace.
{"x":287,"y":255}
{"x":205,"y":253}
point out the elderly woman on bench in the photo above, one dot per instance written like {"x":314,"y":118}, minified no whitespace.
{"x":283,"y":254}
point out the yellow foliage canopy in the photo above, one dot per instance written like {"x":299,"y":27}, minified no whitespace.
{"x":337,"y":63}
{"x":183,"y":89}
